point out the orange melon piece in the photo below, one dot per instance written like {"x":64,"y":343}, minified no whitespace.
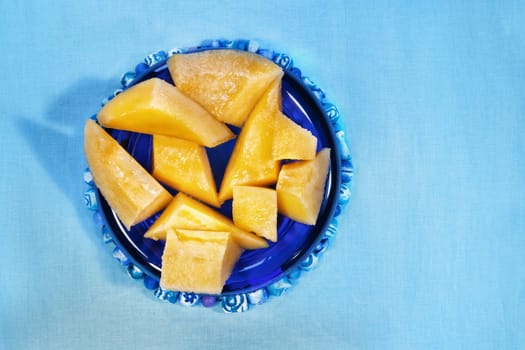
{"x":255,"y":209}
{"x":292,"y":141}
{"x":157,"y":107}
{"x":251,"y":162}
{"x":127,"y":187}
{"x":184,"y":166}
{"x":227,"y":83}
{"x":300,"y":188}
{"x":198,"y":261}
{"x":185,"y":212}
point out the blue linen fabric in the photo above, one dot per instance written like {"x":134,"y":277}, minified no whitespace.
{"x":430,"y":253}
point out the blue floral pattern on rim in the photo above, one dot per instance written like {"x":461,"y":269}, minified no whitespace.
{"x":243,"y":301}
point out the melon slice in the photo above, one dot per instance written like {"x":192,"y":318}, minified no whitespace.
{"x":292,"y":141}
{"x":185,"y":212}
{"x":198,"y":261}
{"x":227,"y":83}
{"x":251,"y":162}
{"x":184,"y":166}
{"x":255,"y":209}
{"x":157,"y":107}
{"x":300,"y":188}
{"x":128,"y":188}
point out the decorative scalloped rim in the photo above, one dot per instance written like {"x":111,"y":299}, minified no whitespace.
{"x":243,"y":301}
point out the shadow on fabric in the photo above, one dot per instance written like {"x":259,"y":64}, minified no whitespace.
{"x":57,"y":139}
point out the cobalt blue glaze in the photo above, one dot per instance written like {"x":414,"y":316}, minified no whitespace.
{"x":256,"y":268}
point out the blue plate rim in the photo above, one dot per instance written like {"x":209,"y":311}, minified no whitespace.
{"x":234,"y":301}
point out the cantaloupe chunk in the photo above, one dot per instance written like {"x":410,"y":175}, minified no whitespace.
{"x":184,"y":166}
{"x":127,"y":187}
{"x":228,"y":83}
{"x":255,"y":209}
{"x":185,"y":212}
{"x":300,"y":188}
{"x":251,"y":162}
{"x":157,"y":107}
{"x":292,"y":141}
{"x":198,"y":261}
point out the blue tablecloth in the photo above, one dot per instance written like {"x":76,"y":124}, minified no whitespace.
{"x":430,"y":253}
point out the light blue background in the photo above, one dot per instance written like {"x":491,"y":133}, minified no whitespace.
{"x":431,"y":250}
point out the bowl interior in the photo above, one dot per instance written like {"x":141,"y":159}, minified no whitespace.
{"x":255,"y":268}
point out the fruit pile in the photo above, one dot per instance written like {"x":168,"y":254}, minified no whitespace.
{"x":211,"y":89}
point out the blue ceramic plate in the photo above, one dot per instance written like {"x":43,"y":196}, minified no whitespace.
{"x":258,"y":273}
